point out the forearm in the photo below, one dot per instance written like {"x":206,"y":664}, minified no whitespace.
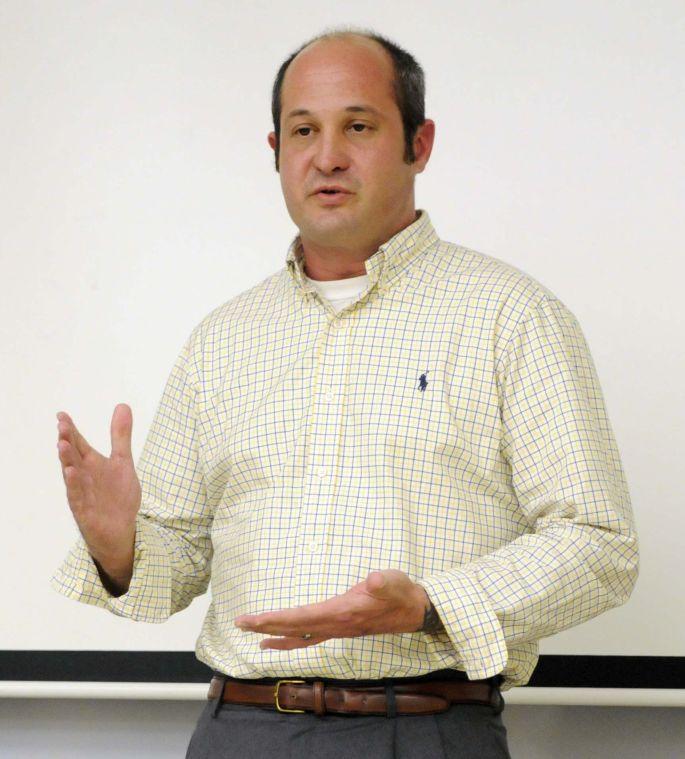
{"x":563,"y":576}
{"x":533,"y":587}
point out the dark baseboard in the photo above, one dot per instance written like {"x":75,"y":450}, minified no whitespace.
{"x":183,"y":667}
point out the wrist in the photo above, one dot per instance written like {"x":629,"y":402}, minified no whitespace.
{"x":116,"y":583}
{"x":115,"y":556}
{"x":115,"y":567}
{"x":431,"y":620}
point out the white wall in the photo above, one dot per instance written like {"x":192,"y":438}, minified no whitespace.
{"x":139,"y":193}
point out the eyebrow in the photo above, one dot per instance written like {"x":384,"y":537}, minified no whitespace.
{"x":350,"y":109}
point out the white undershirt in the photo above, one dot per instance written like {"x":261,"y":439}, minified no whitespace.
{"x":340,"y":292}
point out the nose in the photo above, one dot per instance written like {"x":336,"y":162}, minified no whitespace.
{"x":330,"y":154}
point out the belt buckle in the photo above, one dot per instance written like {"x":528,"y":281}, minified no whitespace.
{"x":282,"y":708}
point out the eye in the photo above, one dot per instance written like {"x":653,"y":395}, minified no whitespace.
{"x":304,"y":131}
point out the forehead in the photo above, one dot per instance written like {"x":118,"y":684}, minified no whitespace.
{"x":330,"y":74}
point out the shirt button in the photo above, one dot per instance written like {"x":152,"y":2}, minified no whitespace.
{"x":339,"y":324}
{"x":321,"y":472}
{"x":313,"y":546}
{"x":330,"y":396}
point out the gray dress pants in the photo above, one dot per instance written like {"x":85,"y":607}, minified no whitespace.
{"x":234,"y":731}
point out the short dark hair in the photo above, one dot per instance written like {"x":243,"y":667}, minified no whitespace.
{"x":408,"y":85}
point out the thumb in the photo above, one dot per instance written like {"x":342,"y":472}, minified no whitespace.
{"x":376,"y":582}
{"x":121,"y":427}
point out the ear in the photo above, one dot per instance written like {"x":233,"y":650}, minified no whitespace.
{"x":423,"y":144}
{"x":272,"y":140}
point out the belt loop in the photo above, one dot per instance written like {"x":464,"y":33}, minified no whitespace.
{"x":219,"y":698}
{"x":319,"y":697}
{"x":391,"y":701}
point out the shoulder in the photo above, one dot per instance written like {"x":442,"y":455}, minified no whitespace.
{"x":477,"y":274}
{"x":499,"y":288}
{"x":502,"y":295}
{"x":210,"y":341}
{"x":247,"y":305}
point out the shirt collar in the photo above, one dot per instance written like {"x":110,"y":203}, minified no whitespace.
{"x":387,"y":265}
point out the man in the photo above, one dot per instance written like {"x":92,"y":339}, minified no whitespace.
{"x":391,"y":457}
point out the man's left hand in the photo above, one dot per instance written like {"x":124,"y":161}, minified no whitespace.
{"x":388,"y":601}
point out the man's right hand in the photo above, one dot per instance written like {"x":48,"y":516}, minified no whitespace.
{"x":104,"y":495}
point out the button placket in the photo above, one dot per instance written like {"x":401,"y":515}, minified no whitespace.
{"x":323,"y":447}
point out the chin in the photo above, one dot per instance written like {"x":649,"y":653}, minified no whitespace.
{"x":329,"y":219}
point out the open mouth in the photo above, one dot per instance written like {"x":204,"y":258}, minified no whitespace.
{"x":331,"y":195}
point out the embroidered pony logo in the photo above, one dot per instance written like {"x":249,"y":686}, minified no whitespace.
{"x":423,"y":382}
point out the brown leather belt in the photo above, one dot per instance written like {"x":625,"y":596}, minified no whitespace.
{"x":299,"y":696}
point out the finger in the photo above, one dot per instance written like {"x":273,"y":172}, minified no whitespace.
{"x":72,"y":434}
{"x":60,"y":454}
{"x":287,"y":644}
{"x":71,"y":460}
{"x":377,"y":583}
{"x":312,"y":617}
{"x":286,"y":622}
{"x":120,"y":431}
{"x":68,"y":455}
{"x":75,"y":494}
{"x":74,"y":453}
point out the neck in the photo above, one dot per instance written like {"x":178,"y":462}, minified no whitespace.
{"x":329,"y":262}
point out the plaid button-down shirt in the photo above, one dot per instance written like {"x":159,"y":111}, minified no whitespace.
{"x":449,"y":423}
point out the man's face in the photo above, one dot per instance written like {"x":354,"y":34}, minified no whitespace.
{"x":334,"y":143}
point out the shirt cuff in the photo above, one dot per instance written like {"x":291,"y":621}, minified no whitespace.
{"x":469,"y":621}
{"x":148,"y":598}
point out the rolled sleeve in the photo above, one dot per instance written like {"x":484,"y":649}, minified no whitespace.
{"x":470,"y":622}
{"x":579,"y":556}
{"x":147,"y":598}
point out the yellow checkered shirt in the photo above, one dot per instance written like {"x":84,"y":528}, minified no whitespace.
{"x":448,"y":423}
